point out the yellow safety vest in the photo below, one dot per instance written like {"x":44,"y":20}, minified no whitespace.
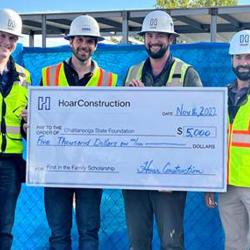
{"x":176,"y":75}
{"x":55,"y":76}
{"x":10,"y":113}
{"x":239,"y":147}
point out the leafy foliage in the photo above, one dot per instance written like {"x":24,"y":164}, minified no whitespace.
{"x":193,"y":3}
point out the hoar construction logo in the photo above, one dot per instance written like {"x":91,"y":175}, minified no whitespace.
{"x":44,"y":103}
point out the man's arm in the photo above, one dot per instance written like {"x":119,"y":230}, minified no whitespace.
{"x":192,"y":78}
{"x":24,"y":124}
{"x":210,"y":200}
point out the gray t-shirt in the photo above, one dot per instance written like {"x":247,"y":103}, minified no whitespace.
{"x":191,"y":78}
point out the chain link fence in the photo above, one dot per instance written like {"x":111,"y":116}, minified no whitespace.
{"x":31,"y":232}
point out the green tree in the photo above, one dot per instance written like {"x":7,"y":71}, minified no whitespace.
{"x":193,"y":3}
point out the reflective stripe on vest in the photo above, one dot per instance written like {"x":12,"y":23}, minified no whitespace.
{"x":135,"y":72}
{"x":13,"y":130}
{"x":52,"y":76}
{"x":176,"y":75}
{"x":24,"y":76}
{"x":105,"y":78}
{"x":241,"y":140}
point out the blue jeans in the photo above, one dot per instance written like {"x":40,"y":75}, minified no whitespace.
{"x":10,"y":186}
{"x":141,"y":206}
{"x":59,"y":207}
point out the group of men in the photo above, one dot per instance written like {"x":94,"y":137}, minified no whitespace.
{"x":141,"y":206}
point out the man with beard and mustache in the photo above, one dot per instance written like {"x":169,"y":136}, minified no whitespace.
{"x":78,"y":70}
{"x":159,"y":69}
{"x":234,"y":205}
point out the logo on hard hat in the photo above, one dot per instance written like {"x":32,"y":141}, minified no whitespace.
{"x":153,"y":23}
{"x":86,"y":28}
{"x":244,"y":40}
{"x":11,"y":24}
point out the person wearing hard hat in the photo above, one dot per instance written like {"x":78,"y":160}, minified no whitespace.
{"x":78,"y":70}
{"x":159,"y":69}
{"x":13,"y":99}
{"x":234,"y":205}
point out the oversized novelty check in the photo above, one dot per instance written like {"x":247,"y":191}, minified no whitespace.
{"x":129,"y":138}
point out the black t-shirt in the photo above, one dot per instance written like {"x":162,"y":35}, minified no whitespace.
{"x":236,"y":98}
{"x":72,"y":76}
{"x":8,"y":77}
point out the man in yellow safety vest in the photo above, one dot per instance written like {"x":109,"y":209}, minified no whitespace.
{"x":234,"y":205}
{"x":160,"y":69}
{"x":13,"y":100}
{"x":78,"y":70}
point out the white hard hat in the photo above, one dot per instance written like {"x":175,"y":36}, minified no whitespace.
{"x":240,"y":43}
{"x":84,"y":25}
{"x":10,"y":22}
{"x":158,"y":21}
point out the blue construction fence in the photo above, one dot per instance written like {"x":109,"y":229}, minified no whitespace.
{"x":203,"y":228}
